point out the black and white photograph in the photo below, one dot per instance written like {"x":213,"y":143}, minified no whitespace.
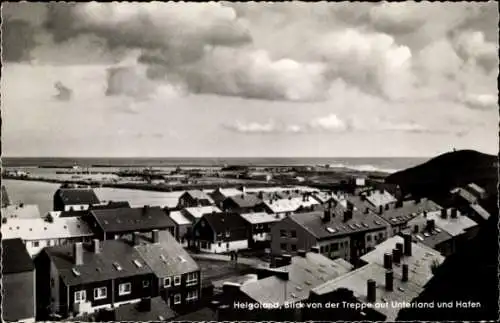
{"x":249,"y":161}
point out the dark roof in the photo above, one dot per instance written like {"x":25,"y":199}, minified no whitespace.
{"x":431,"y":238}
{"x":73,"y":196}
{"x":132,"y":219}
{"x":464,"y":194}
{"x":313,"y":222}
{"x":98,"y":266}
{"x":304,"y":273}
{"x":224,"y":221}
{"x":245,"y":201}
{"x":132,"y":313}
{"x":15,"y":257}
{"x":204,"y":314}
{"x":111,"y":205}
{"x":5,"y":197}
{"x":408,"y":210}
{"x":167,"y":257}
{"x":73,"y":213}
{"x":199,"y":195}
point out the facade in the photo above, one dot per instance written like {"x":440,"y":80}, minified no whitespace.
{"x":38,"y":233}
{"x":336,"y":232}
{"x":194,"y":198}
{"x":121,"y":223}
{"x":244,"y":203}
{"x":74,"y":199}
{"x":177,"y":275}
{"x":80,"y":279}
{"x":221,"y":232}
{"x":259,"y":225}
{"x":18,"y":283}
{"x":183,"y":227}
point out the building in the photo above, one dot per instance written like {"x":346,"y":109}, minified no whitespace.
{"x":278,"y":287}
{"x":110,"y":205}
{"x":21,"y":211}
{"x":74,"y":199}
{"x":478,"y":213}
{"x":5,"y":197}
{"x":84,"y":278}
{"x":18,"y":283}
{"x":446,"y":230}
{"x":477,"y":191}
{"x":195,"y":213}
{"x":221,"y":232}
{"x":38,"y":233}
{"x":422,"y":261}
{"x":244,"y":203}
{"x":177,"y":275}
{"x":370,"y":198}
{"x":323,"y":197}
{"x":337,"y":232}
{"x":287,"y":206}
{"x":399,"y":214}
{"x":366,"y":286}
{"x":259,"y":225}
{"x":183,"y":227}
{"x":462,"y":197}
{"x":121,"y":223}
{"x":194,"y":198}
{"x":220,"y":194}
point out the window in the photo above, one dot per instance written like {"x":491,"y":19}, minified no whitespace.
{"x":80,"y":296}
{"x":283,"y":246}
{"x":177,"y":280}
{"x":293,"y":233}
{"x":415,"y":229}
{"x":145,"y":283}
{"x":177,"y":298}
{"x":368,"y":238}
{"x":36,"y":243}
{"x":220,"y":244}
{"x":124,"y":289}
{"x":100,"y":293}
{"x":166,"y":282}
{"x":192,"y":279}
{"x":294,"y":247}
{"x":283,"y":233}
{"x":334,"y":246}
{"x":192,"y":295}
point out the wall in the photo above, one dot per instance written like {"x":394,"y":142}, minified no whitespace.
{"x":233,"y":245}
{"x":19,"y":300}
{"x":304,"y":239}
{"x":76,"y":207}
{"x":342,"y":250}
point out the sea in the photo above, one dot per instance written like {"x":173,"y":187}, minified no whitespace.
{"x":41,"y":193}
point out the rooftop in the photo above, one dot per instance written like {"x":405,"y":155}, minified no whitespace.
{"x":179,"y":218}
{"x":304,"y":274}
{"x":40,"y":229}
{"x":15,"y":257}
{"x":356,"y":281}
{"x":476,"y":188}
{"x":466,"y":195}
{"x":290,"y":205}
{"x":322,"y":197}
{"x":313,"y":222}
{"x":199,"y":195}
{"x":259,"y":217}
{"x":480,"y":211}
{"x":245,"y":200}
{"x":132,"y":219}
{"x":116,"y":259}
{"x":454,"y":226}
{"x":396,"y":215}
{"x":224,"y":222}
{"x":431,"y":238}
{"x":110,"y":205}
{"x":26,"y":211}
{"x":167,"y":257}
{"x":420,"y":262}
{"x":378,"y":198}
{"x":75,"y":196}
{"x":198,"y":212}
{"x":228,"y":191}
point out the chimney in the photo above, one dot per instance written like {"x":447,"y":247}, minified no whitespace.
{"x":145,"y":209}
{"x":347,"y":215}
{"x":425,"y":214}
{"x":387,"y":261}
{"x":326,"y":216}
{"x":405,"y":273}
{"x":367,"y":210}
{"x":407,"y":244}
{"x":287,"y":259}
{"x":315,"y":249}
{"x":145,"y":305}
{"x":399,"y":246}
{"x":454,"y":213}
{"x":371,"y":290}
{"x":156,"y":236}
{"x":301,"y":253}
{"x":282,"y":274}
{"x":95,"y":246}
{"x":387,"y":206}
{"x":430,"y":225}
{"x":244,"y":190}
{"x":135,"y":238}
{"x":78,"y":253}
{"x":444,"y":214}
{"x":389,"y":280}
{"x":380,"y":209}
{"x":396,"y":256}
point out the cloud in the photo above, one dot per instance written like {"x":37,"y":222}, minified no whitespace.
{"x":480,"y":101}
{"x":253,"y":127}
{"x":472,"y":45}
{"x":329,"y":123}
{"x":18,"y":40}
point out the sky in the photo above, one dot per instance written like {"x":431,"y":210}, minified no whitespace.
{"x":219,"y":79}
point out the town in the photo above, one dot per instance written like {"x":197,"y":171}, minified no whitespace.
{"x":264,"y":250}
